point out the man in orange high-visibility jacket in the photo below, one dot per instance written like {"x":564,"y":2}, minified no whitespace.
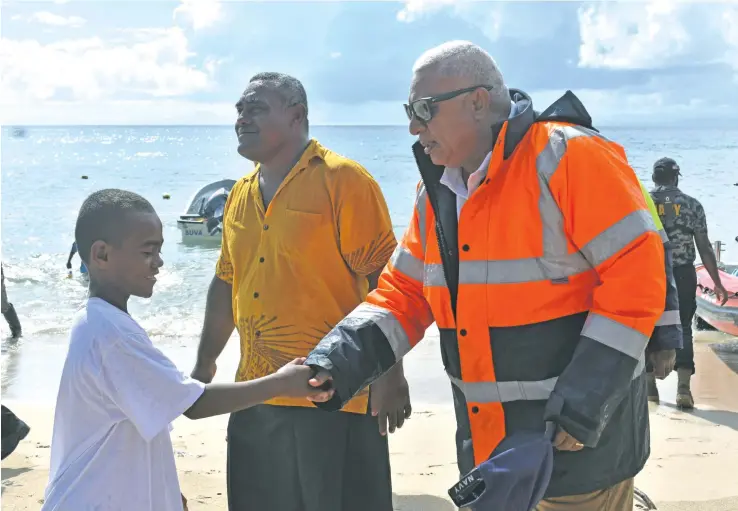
{"x":533,"y":249}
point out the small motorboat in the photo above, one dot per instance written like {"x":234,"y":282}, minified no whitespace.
{"x":710,"y":313}
{"x":202,"y":220}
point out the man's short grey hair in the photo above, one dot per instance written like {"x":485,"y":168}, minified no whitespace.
{"x":464,"y":59}
{"x":288,"y":87}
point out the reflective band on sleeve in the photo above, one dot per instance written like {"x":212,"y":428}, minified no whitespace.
{"x":406,"y":263}
{"x":547,"y":161}
{"x":556,"y":264}
{"x":387,"y":323}
{"x":616,"y":237}
{"x":433,"y":275}
{"x":615,"y":335}
{"x":669,"y":318}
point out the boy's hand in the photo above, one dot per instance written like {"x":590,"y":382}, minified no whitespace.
{"x":293,"y":380}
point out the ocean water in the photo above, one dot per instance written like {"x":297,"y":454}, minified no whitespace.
{"x":42,"y":190}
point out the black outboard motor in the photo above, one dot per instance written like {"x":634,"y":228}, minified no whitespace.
{"x":214,"y":209}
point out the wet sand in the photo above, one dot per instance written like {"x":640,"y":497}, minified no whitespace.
{"x":694,"y":455}
{"x":693,"y":464}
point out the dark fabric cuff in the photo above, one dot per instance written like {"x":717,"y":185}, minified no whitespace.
{"x":589,"y":389}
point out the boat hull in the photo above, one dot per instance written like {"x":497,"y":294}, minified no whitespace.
{"x":723,"y":318}
{"x":196,"y":231}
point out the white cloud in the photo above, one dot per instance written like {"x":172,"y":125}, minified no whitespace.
{"x":54,"y":20}
{"x":415,"y":9}
{"x":86,"y":80}
{"x":486,"y":16}
{"x":654,"y":34}
{"x":156,"y":63}
{"x":627,"y":36}
{"x":199,"y":13}
{"x":336,"y":55}
{"x":512,"y":20}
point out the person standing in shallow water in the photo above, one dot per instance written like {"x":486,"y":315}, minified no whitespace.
{"x":305,"y":236}
{"x":13,"y":429}
{"x":685,"y":223}
{"x":82,"y":266}
{"x":9,"y":311}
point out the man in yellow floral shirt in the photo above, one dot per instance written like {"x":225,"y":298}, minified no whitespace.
{"x":305,"y":237}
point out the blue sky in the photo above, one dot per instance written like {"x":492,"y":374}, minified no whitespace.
{"x":654,"y":62}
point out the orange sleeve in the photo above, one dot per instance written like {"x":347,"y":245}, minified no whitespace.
{"x":400,"y":288}
{"x":380,"y":331}
{"x":608,"y":220}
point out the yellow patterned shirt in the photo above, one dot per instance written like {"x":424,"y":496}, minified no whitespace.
{"x":300,"y":266}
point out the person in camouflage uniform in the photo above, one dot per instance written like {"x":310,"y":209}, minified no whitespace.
{"x":685,"y":223}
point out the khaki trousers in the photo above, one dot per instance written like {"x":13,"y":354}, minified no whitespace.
{"x":615,"y":498}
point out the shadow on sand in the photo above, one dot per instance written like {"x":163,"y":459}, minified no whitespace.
{"x":720,"y":417}
{"x":420,"y":503}
{"x":728,"y":353}
{"x":10,"y":473}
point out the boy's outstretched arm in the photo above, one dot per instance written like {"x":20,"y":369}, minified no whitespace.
{"x":151,"y":392}
{"x":289,"y":381}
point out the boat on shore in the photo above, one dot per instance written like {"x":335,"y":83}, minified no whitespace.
{"x":202,"y":220}
{"x":710,"y":314}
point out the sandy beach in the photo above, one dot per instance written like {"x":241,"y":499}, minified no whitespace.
{"x":693,"y":463}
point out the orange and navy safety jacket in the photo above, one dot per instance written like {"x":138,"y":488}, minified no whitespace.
{"x":546,"y":289}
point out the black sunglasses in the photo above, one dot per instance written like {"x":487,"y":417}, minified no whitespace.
{"x":422,"y":109}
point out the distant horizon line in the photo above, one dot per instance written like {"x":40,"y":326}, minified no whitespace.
{"x":690,"y":125}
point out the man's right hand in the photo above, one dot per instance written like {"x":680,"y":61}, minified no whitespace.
{"x":320,"y":379}
{"x":295,"y":381}
{"x":565,"y":442}
{"x":721,"y":294}
{"x":69,"y":265}
{"x":204,"y":372}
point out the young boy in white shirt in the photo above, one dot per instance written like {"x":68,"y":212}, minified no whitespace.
{"x":111,"y":449}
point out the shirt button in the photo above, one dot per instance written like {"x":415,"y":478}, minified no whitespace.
{"x":266,"y":227}
{"x":487,"y":181}
{"x":463,"y":332}
{"x":475,"y":409}
{"x":465,"y":248}
{"x":256,"y":295}
{"x":261,"y":259}
{"x":258,"y":333}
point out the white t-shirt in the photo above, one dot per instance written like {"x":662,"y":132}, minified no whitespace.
{"x":111,"y":449}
